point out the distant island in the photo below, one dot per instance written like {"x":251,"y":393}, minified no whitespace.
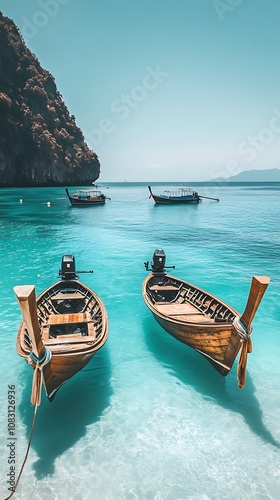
{"x":40,"y":143}
{"x":270,"y":175}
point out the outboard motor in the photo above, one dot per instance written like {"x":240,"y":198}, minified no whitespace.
{"x":68,"y":268}
{"x":158,"y":261}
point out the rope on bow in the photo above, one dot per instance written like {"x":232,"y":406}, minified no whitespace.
{"x":38,"y":365}
{"x":246,"y":348}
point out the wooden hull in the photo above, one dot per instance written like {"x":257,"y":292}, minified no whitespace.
{"x":173,"y":201}
{"x":73,"y":326}
{"x":164,"y":200}
{"x":61,"y":368}
{"x":188,"y":314}
{"x":220,"y":345}
{"x":79,"y":203}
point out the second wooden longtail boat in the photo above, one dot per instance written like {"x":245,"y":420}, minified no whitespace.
{"x":201,"y":320}
{"x":61,"y":330}
{"x":179,"y":196}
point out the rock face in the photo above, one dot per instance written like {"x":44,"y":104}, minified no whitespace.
{"x":40,"y":144}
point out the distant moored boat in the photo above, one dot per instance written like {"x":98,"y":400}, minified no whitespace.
{"x":86,"y":197}
{"x":181,"y":195}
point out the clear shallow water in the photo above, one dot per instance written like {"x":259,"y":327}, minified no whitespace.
{"x":148,"y":418}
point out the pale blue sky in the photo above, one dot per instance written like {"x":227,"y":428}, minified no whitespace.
{"x":164,"y":90}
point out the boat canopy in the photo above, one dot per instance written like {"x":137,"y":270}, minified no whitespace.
{"x":85,"y":193}
{"x":183,"y":192}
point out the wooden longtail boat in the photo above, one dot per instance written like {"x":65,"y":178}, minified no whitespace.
{"x":61,"y":330}
{"x":180,"y":196}
{"x":201,"y":320}
{"x":82,"y":197}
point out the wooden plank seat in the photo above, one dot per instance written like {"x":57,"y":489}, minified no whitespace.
{"x":74,"y":338}
{"x":164,"y":287}
{"x":184,"y":310}
{"x":177,"y":308}
{"x":67,"y":296}
{"x":60,"y":319}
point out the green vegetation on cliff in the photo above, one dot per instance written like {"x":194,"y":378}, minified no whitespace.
{"x":40,"y":143}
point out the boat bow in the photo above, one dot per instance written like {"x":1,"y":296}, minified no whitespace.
{"x":40,"y":355}
{"x":243,"y":325}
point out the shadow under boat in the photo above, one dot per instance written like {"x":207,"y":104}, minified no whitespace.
{"x":60,"y":425}
{"x":192,"y":369}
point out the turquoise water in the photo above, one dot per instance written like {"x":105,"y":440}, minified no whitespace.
{"x":148,"y":418}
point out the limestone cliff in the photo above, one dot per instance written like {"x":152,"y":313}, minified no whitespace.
{"x":40,"y":143}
